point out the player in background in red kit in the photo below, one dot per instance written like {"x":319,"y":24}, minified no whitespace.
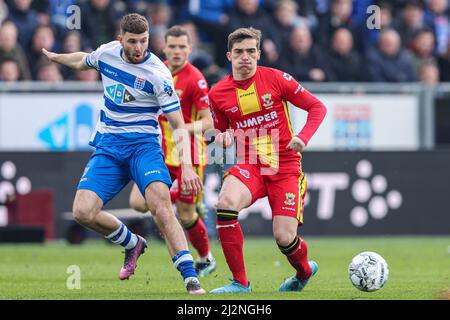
{"x":192,"y":89}
{"x":250,"y":105}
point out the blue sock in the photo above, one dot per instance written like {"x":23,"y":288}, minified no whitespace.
{"x":124,"y":237}
{"x":184,"y":263}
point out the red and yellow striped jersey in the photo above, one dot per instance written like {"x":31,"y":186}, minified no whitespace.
{"x":257,"y":110}
{"x":192,"y":89}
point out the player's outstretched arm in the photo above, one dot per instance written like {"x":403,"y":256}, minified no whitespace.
{"x":74,"y":60}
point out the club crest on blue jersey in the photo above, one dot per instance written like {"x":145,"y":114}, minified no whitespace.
{"x":139,"y":83}
{"x":168,"y":89}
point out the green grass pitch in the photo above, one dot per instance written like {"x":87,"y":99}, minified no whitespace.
{"x":419,"y":269}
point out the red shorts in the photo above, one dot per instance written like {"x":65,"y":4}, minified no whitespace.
{"x":286,"y":191}
{"x":186,"y":196}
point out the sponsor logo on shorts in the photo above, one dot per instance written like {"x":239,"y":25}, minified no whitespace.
{"x":152,"y":172}
{"x":244,"y":173}
{"x":290,"y":199}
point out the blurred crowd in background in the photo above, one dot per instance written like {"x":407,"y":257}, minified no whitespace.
{"x":313,"y":40}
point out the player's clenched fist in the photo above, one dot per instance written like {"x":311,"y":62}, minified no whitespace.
{"x":224,"y":139}
{"x":296,"y":144}
{"x":190,"y":181}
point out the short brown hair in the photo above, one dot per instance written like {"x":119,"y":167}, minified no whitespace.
{"x":133,"y":23}
{"x":177,"y":31}
{"x":241,"y":34}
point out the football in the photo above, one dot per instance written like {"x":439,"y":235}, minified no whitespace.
{"x":368,"y":271}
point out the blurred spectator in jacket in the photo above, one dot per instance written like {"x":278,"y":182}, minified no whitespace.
{"x":99,"y":21}
{"x":429,"y":73}
{"x":9,"y":71}
{"x":159,"y":16}
{"x":249,"y":13}
{"x":437,"y":15}
{"x":444,"y":65}
{"x":43,"y":37}
{"x":302,"y":59}
{"x":11,"y":49}
{"x":89,"y":75}
{"x":368,"y":38}
{"x":339,"y":16}
{"x":211,"y":18}
{"x":422,"y":49}
{"x":48,"y":71}
{"x":410,"y":21}
{"x":390,"y":62}
{"x":56,"y":13}
{"x":25,"y":18}
{"x":344,"y":63}
{"x":72,"y":42}
{"x":157,"y":43}
{"x":286,"y":18}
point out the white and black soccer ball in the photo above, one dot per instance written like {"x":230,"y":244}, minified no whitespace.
{"x":368,"y":271}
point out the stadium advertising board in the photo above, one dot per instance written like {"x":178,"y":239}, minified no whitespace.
{"x":365,"y":122}
{"x":64,"y":121}
{"x":349,"y":193}
{"x":39,"y":121}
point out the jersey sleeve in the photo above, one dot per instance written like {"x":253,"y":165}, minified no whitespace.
{"x":91,"y":60}
{"x":301,"y":98}
{"x":220,"y":120}
{"x":199,"y":89}
{"x":165,"y":93}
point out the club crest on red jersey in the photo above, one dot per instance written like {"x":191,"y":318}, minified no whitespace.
{"x":267,"y":100}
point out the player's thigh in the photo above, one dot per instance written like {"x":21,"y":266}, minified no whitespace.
{"x":242,"y":186}
{"x":147,"y":166}
{"x":286,"y":194}
{"x":157,"y":197}
{"x":105,"y":175}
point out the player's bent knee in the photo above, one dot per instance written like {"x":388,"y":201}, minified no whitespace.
{"x":284,"y":238}
{"x":83,"y":215}
{"x":187,"y":219}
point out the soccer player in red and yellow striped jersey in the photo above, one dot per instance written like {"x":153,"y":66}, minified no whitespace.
{"x":251,"y":106}
{"x":192,"y":89}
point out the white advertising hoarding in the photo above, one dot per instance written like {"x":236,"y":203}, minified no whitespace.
{"x":365,"y":122}
{"x":65,"y":121}
{"x":47,"y":121}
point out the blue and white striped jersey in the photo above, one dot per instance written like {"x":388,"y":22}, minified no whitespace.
{"x":134,"y":95}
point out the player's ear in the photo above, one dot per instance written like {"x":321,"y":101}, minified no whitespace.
{"x":229,"y":56}
{"x":259,"y":55}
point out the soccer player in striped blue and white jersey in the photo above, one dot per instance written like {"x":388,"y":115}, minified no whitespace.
{"x":137,"y":88}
